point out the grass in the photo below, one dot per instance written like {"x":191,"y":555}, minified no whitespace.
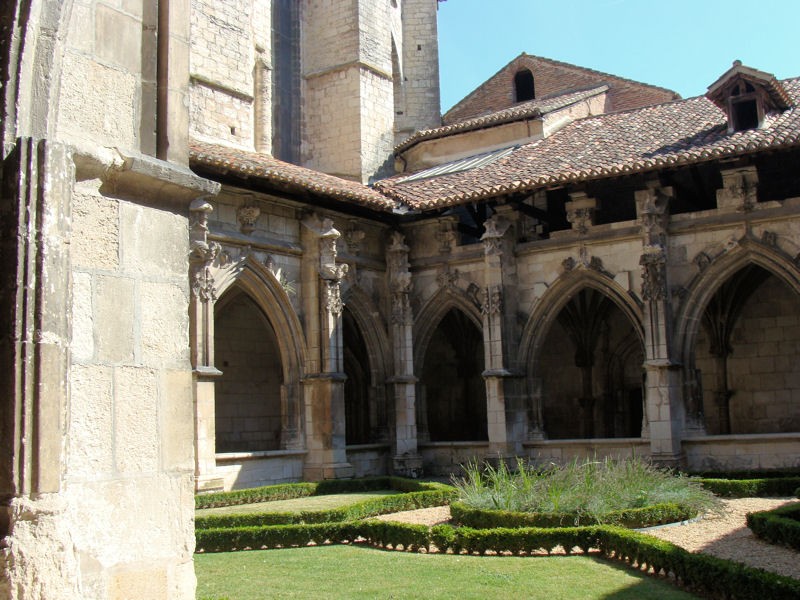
{"x":358,"y":572}
{"x":588,"y":487}
{"x":306,"y":503}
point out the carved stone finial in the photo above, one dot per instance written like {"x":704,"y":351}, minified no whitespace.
{"x":448,"y":279}
{"x":495,"y":228}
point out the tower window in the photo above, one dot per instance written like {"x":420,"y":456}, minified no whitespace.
{"x":523,"y":86}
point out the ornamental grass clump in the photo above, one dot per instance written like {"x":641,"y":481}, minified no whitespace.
{"x":592,"y":488}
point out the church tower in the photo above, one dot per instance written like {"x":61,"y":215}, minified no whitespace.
{"x":369,"y":76}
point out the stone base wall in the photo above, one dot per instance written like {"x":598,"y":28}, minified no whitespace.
{"x":369,"y":460}
{"x":564,"y":451}
{"x":247,"y":470}
{"x":743,"y":452}
{"x":440,"y":459}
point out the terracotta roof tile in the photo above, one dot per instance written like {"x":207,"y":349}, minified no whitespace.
{"x":531,"y":109}
{"x":263,"y":166}
{"x":639,"y":140}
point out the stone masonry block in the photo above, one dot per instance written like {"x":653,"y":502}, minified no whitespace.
{"x":136,"y":428}
{"x":90,"y":449}
{"x":118,"y":38}
{"x":82,"y":318}
{"x":114,"y":319}
{"x":164,"y":324}
{"x":154,"y":242}
{"x":95,"y":229}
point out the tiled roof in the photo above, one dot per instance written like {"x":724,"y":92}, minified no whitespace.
{"x":665,"y":135}
{"x":244,"y":163}
{"x":531,"y":109}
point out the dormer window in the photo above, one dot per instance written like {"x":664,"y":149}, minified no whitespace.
{"x":747,"y":96}
{"x":523,"y":86}
{"x":744,"y":107}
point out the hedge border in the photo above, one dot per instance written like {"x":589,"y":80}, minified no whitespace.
{"x":632,"y":518}
{"x":287,"y":491}
{"x":779,"y":526}
{"x":430,"y":495}
{"x":751,"y":488}
{"x":700,"y":573}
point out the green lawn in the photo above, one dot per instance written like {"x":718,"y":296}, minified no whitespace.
{"x":359,"y":572}
{"x":307,"y":503}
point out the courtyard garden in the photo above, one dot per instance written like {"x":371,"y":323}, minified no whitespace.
{"x":498,"y":531}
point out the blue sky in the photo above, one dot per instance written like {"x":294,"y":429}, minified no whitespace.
{"x":683,"y":45}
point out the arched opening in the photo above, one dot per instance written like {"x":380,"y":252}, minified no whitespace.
{"x":746,"y":355}
{"x":358,"y":429}
{"x":591,"y":371}
{"x":248,"y":393}
{"x":452,"y":378}
{"x":523,"y":86}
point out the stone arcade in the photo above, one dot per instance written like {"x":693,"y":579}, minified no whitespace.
{"x":240,"y":245}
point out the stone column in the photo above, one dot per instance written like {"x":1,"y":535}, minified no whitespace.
{"x":406,"y":459}
{"x":201,"y":336}
{"x":663,"y":402}
{"x":324,"y":384}
{"x":505,"y":410}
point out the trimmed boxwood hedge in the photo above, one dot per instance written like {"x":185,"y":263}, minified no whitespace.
{"x":431,"y":494}
{"x":287,"y":491}
{"x":778,"y":526}
{"x":752,"y":488}
{"x":706,"y":575}
{"x":632,"y":518}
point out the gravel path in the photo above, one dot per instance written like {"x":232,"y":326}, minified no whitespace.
{"x":725,"y":535}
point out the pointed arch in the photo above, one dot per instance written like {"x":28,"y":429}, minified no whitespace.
{"x":369,"y":406}
{"x":708,"y":282}
{"x":434,"y":311}
{"x":372,"y":327}
{"x":546,"y":310}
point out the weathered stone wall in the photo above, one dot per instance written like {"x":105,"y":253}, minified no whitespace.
{"x":129,"y":463}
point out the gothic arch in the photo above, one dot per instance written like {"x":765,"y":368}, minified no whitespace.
{"x":370,"y":325}
{"x":266,"y":291}
{"x":434,"y":311}
{"x":706,"y":284}
{"x":558,"y":295}
{"x":370,"y":322}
